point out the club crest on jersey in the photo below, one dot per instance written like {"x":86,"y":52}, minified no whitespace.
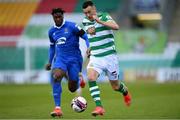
{"x":61,"y":40}
{"x":65,"y":30}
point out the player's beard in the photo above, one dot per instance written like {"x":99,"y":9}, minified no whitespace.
{"x":59,"y":23}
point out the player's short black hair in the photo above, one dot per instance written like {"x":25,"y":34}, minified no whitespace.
{"x":87,"y":3}
{"x":57,"y":10}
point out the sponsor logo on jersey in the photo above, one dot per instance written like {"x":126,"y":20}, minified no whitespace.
{"x":61,"y":40}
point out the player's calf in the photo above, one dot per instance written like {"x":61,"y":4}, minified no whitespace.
{"x":126,"y":95}
{"x":122,"y":89}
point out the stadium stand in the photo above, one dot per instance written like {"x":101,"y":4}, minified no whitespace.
{"x":107,"y":6}
{"x":175,"y":28}
{"x":145,"y":64}
{"x":41,"y":54}
{"x":12,"y":58}
{"x":153,"y":41}
{"x":15,"y":16}
{"x":176,"y":62}
{"x":36,"y":32}
{"x":22,"y":21}
{"x":45,"y":6}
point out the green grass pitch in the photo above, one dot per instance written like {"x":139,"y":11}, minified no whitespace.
{"x":150,"y":101}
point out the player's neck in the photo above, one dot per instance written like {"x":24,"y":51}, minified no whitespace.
{"x":59,"y":26}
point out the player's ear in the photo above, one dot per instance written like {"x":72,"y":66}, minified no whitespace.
{"x":93,"y":9}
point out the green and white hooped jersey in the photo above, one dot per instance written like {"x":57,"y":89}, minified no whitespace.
{"x":102,"y":43}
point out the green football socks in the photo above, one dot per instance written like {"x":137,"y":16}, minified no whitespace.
{"x":122,"y":89}
{"x":95,"y":92}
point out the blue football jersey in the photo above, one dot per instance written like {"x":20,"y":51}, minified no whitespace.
{"x":65,"y":38}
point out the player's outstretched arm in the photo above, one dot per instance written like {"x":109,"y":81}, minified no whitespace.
{"x":111,"y":24}
{"x":51,"y":56}
{"x":84,"y":36}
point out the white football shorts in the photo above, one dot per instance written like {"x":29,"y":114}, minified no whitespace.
{"x":109,"y":64}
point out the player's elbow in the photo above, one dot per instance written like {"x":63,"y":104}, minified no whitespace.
{"x":116,"y":27}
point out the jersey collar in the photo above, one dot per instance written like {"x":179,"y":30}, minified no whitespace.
{"x":58,"y":27}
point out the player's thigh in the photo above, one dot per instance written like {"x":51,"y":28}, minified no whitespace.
{"x":94,"y":68}
{"x":59,"y":68}
{"x":92,"y":74}
{"x":112,"y":68}
{"x":74,"y":69}
{"x":73,"y":73}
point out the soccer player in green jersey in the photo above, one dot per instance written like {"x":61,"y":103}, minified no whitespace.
{"x":99,"y":27}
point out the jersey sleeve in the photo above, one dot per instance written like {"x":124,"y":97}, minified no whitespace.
{"x":76,"y":28}
{"x":50,"y":38}
{"x":81,"y":33}
{"x":106,"y":17}
{"x":85,"y":26}
{"x":51,"y":48}
{"x":85,"y":37}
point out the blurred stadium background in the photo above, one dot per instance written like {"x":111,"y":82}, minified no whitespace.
{"x":148,"y":42}
{"x":148,"y":45}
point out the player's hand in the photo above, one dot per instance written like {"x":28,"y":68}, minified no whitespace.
{"x":88,"y":52}
{"x":48,"y":66}
{"x":91,"y":31}
{"x":95,"y":17}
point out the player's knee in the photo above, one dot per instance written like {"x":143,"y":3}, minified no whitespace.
{"x":91,"y":78}
{"x":73,"y":86}
{"x":57,"y":74}
{"x":92,"y":75}
{"x":72,"y":89}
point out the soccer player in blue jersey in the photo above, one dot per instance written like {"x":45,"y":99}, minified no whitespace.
{"x":65,"y":57}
